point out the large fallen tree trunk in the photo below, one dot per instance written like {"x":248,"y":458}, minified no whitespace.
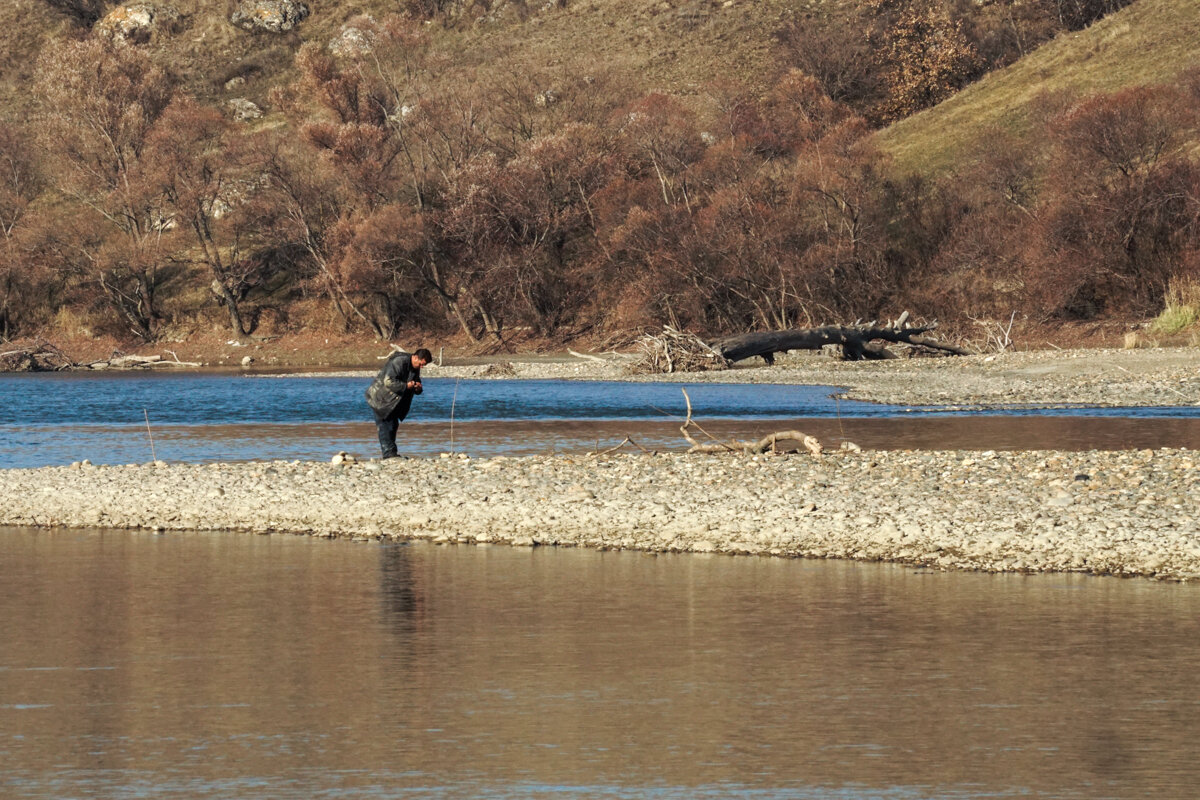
{"x":855,"y":341}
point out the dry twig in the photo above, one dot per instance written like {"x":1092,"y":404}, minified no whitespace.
{"x":768,"y":443}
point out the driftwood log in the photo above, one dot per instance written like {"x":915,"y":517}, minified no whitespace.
{"x":767,"y":444}
{"x":121,"y":361}
{"x":855,"y":341}
{"x":41,"y":356}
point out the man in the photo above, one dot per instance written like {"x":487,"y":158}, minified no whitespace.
{"x":391,"y":394}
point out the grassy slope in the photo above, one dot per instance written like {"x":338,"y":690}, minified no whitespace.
{"x":676,"y":46}
{"x":1151,"y":41}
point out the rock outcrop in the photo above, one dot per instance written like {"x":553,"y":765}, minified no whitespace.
{"x":244,"y":110}
{"x":357,"y":38}
{"x":274,"y":16}
{"x":138,"y":23}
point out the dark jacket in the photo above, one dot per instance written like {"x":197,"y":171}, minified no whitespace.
{"x":387,"y":395}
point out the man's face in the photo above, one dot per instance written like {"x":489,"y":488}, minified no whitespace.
{"x":418,"y":362}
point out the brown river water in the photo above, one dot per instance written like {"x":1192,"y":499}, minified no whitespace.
{"x":220,"y":665}
{"x":515,"y":438}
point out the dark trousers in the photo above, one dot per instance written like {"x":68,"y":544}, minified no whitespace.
{"x":387,"y":433}
{"x":387,"y":424}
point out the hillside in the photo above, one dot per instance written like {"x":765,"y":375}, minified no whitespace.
{"x":674,"y":47}
{"x":588,"y":168}
{"x":1150,"y":42}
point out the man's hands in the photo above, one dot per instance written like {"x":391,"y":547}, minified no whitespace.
{"x":415,"y":386}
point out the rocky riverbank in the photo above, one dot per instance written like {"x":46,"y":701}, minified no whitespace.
{"x":1118,"y":513}
{"x":1152,"y":377}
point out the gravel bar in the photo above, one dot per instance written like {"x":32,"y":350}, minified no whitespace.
{"x":1130,"y":513}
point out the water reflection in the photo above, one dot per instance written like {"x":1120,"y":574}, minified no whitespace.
{"x":403,"y":606}
{"x":235,"y":666}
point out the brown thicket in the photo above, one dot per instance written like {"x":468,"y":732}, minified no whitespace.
{"x":21,"y":279}
{"x":100,"y":103}
{"x":889,"y":58}
{"x":196,"y":164}
{"x":1119,"y":209}
{"x":523,"y":199}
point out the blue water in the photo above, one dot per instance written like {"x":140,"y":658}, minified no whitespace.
{"x":57,"y":418}
{"x":198,"y":399}
{"x":58,"y":398}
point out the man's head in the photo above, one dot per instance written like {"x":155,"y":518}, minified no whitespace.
{"x":421,"y":358}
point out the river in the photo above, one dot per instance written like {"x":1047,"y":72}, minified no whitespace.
{"x":59,"y":418}
{"x":228,"y":666}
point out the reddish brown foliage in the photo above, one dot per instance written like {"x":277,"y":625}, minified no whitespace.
{"x":542,"y":202}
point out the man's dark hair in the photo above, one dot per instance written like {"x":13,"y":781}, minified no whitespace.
{"x":424,"y":355}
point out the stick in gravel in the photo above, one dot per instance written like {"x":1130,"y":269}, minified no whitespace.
{"x":453,"y":400}
{"x":624,"y":441}
{"x":153,"y":457}
{"x":689,"y":422}
{"x":587,"y":357}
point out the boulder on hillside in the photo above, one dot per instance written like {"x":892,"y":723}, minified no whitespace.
{"x":274,"y":16}
{"x":357,"y":37}
{"x":138,"y":23}
{"x":244,"y":110}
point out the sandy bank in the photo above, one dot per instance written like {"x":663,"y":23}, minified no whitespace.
{"x":1121,"y":513}
{"x":1152,"y":377}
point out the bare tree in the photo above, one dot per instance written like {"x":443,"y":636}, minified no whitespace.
{"x":100,"y":103}
{"x":20,"y":185}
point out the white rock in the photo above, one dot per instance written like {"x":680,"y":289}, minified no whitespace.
{"x":137,"y":23}
{"x":275,"y":16}
{"x":244,"y":110}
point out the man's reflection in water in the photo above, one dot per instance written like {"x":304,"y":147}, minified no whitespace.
{"x":403,"y":606}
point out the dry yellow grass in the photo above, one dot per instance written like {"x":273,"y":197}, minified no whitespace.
{"x":1151,"y":41}
{"x":674,"y":46}
{"x":680,"y":47}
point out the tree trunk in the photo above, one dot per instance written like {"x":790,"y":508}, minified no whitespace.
{"x":226,"y":298}
{"x":855,"y":341}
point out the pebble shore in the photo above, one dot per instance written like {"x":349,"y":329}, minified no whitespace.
{"x":1110,"y":513}
{"x":1129,"y":513}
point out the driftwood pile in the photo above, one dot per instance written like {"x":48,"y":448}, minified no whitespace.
{"x":35,"y":356}
{"x":41,"y":356}
{"x":676,"y":351}
{"x":120,"y":361}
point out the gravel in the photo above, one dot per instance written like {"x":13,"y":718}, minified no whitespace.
{"x":1111,"y":513}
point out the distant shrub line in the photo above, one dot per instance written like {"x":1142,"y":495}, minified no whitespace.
{"x":385,"y":204}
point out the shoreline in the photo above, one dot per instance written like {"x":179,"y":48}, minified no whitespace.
{"x":1124,"y":513}
{"x":1105,"y":512}
{"x":1017,"y":380}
